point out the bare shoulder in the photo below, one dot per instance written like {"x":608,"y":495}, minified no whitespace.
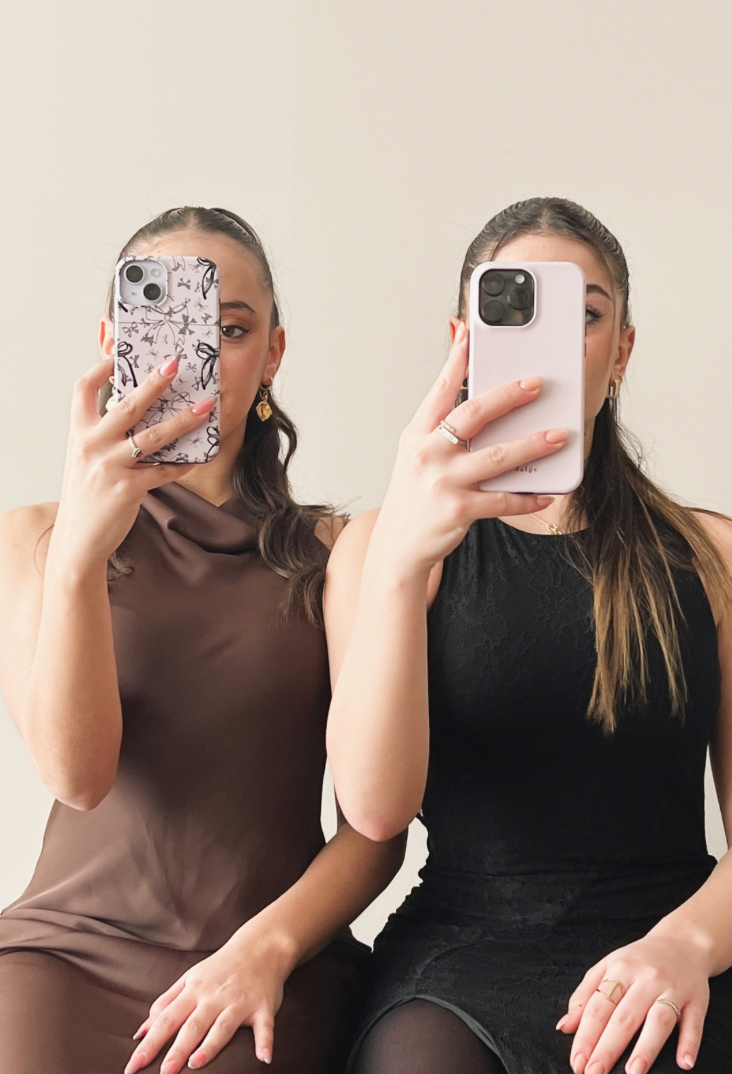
{"x":329,"y":528}
{"x":353,"y":540}
{"x":24,"y":535}
{"x":720,"y":532}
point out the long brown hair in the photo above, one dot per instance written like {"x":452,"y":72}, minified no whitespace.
{"x":636,"y":535}
{"x":286,"y":529}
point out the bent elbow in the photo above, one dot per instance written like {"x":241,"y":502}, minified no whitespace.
{"x":83,"y":794}
{"x":377,"y":826}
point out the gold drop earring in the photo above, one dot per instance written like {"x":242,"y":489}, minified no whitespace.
{"x":264,"y":410}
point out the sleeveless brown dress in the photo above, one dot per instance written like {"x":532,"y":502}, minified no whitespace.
{"x":214,"y":813}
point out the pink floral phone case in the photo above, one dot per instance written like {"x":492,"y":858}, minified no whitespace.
{"x":185,"y":322}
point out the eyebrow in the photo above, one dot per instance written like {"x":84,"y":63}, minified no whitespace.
{"x":595,"y":287}
{"x":238,"y":305}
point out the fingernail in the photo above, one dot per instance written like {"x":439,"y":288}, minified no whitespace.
{"x":578,"y":1064}
{"x":556,"y":436}
{"x":266,"y":1056}
{"x":544,"y":501}
{"x":169,"y":1067}
{"x":169,"y":366}
{"x":638,"y":1066}
{"x":531,"y":384}
{"x":561,"y":1021}
{"x":204,"y":406}
{"x":595,"y":1068}
{"x":461,"y":332}
{"x":135,"y":1064}
{"x":196,"y":1061}
{"x":689,"y":1060}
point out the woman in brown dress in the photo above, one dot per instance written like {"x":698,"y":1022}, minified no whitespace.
{"x":162,"y":654}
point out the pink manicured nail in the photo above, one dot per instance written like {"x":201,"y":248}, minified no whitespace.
{"x":561,"y":1022}
{"x":689,"y":1060}
{"x":204,"y":406}
{"x":169,"y":1067}
{"x":556,"y":436}
{"x":579,"y":1064}
{"x":531,"y":384}
{"x":595,"y":1068}
{"x":638,"y":1066}
{"x":169,"y":366}
{"x":461,"y":332}
{"x":135,"y":1064}
{"x":196,"y":1061}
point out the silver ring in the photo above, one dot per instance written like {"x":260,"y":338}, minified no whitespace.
{"x":449,"y":433}
{"x":136,"y":451}
{"x":670,"y":1002}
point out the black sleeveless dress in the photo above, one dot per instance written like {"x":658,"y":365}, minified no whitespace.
{"x":550,"y":843}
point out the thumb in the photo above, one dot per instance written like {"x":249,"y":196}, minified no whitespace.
{"x":263,"y":1027}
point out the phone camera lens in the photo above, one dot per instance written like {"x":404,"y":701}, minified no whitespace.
{"x":493,"y":312}
{"x":152,"y":292}
{"x":493,"y":283}
{"x":133,"y":273}
{"x":518,"y":297}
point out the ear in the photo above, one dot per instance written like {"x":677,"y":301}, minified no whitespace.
{"x":106,"y":338}
{"x":277,"y":344}
{"x":625,"y":349}
{"x":453,"y":327}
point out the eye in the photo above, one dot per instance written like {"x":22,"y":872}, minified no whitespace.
{"x":234,"y":331}
{"x":592,"y":315}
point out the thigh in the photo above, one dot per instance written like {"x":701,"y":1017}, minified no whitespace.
{"x":55,"y":1019}
{"x":420,"y":1037}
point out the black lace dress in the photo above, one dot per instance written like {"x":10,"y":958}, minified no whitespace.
{"x":550,"y":843}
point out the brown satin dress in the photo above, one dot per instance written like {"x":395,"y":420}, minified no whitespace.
{"x":214,"y":813}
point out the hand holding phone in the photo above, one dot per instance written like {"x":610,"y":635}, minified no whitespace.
{"x":433,"y":496}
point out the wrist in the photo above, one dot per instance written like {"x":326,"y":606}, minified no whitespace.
{"x":68,"y":561}
{"x":681,"y":929}
{"x":384,"y":566}
{"x":257,"y":939}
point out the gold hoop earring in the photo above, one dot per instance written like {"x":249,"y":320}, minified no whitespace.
{"x":264,"y":410}
{"x":614,"y":390}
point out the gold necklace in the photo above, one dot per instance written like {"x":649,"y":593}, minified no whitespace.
{"x":554,"y":530}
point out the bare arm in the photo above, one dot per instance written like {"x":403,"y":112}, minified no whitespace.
{"x":383,"y":574}
{"x":378,"y":733}
{"x":705,"y":917}
{"x":57,"y":667}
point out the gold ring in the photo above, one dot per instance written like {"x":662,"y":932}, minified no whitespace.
{"x":609,"y":995}
{"x":449,"y":433}
{"x":670,"y":1002}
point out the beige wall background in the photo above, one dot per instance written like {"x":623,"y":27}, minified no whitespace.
{"x":367,"y":143}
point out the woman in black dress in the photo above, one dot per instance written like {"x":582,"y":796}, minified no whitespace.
{"x":574,"y":665}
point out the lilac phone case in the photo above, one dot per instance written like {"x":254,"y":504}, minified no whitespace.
{"x":552,"y":345}
{"x":185,"y":323}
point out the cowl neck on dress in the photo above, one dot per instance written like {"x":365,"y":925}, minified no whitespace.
{"x":226,"y":527}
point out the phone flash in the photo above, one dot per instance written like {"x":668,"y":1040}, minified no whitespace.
{"x":519,"y":277}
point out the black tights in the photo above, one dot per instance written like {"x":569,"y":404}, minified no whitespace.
{"x":420,"y":1037}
